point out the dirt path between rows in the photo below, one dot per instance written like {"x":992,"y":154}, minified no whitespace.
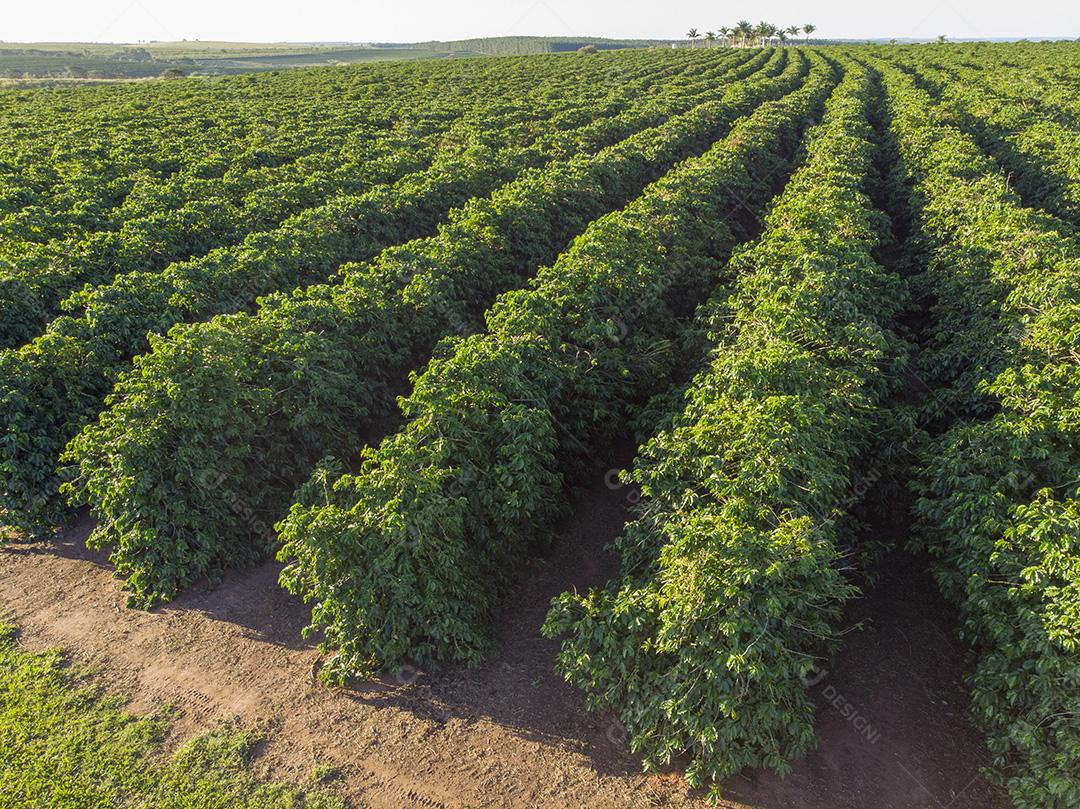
{"x":510,"y":733}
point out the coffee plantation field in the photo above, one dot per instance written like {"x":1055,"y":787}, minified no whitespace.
{"x":383,"y":338}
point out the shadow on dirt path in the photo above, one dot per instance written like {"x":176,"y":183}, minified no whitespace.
{"x":509,"y":733}
{"x":892,"y":709}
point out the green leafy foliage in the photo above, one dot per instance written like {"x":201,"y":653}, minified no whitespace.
{"x":406,"y":559}
{"x":249,"y":268}
{"x":998,"y":481}
{"x":51,"y":387}
{"x":250,"y":175}
{"x":1017,"y":118}
{"x":732,"y":572}
{"x":239,"y":409}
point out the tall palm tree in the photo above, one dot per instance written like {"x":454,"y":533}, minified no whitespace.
{"x":710,"y":39}
{"x":744,"y":30}
{"x":762,"y":31}
{"x":724,"y":32}
{"x":792,"y":30}
{"x":808,"y":29}
{"x":693,"y":35}
{"x":781,"y":34}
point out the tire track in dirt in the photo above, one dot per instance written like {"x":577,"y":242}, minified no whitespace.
{"x":235,"y":653}
{"x":509,"y":733}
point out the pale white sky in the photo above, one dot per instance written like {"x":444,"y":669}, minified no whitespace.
{"x":413,"y":20}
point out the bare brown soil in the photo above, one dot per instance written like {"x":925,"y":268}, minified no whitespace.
{"x":510,"y":733}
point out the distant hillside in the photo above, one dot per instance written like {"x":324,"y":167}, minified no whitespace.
{"x":72,"y":60}
{"x":66,"y":61}
{"x":103,"y":61}
{"x":520,"y":46}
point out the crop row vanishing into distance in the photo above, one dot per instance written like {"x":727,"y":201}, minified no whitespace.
{"x":376,"y":321}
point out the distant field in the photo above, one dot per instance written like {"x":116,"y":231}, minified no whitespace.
{"x":35,"y":61}
{"x":82,"y":61}
{"x":524,"y":46}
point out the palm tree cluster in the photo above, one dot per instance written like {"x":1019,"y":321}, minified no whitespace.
{"x":745,"y":35}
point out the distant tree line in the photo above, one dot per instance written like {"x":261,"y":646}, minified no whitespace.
{"x":745,"y":35}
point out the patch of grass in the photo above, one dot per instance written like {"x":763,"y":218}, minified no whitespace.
{"x":65,"y":744}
